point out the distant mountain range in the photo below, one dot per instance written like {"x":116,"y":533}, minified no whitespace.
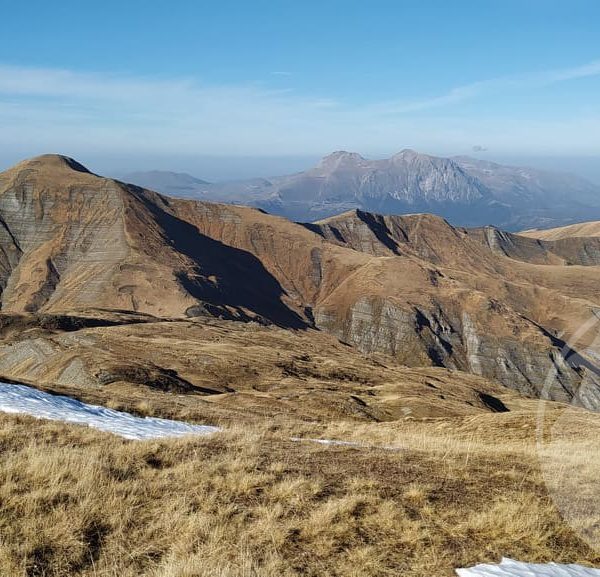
{"x":466,"y":191}
{"x":77,"y":246}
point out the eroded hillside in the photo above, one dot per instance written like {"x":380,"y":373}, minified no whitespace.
{"x":412,"y":287}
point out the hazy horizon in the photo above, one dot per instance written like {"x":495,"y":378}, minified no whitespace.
{"x":221,"y":169}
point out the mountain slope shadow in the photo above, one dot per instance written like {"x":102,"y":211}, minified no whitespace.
{"x":242,"y":281}
{"x":380,"y":229}
{"x":374,"y":222}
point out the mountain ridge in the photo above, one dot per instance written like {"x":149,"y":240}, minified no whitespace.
{"x":588,"y":229}
{"x":413,"y":286}
{"x":410,"y":286}
{"x":467,"y":191}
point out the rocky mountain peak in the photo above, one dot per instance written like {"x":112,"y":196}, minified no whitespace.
{"x":412,"y":158}
{"x":407,"y":154}
{"x":341,"y":158}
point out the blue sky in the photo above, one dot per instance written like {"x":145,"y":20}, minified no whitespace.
{"x":178,"y":80}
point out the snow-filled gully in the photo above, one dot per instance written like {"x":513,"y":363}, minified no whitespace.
{"x":27,"y":400}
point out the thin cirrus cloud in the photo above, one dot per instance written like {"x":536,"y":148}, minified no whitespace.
{"x":54,"y":108}
{"x":480,"y":88}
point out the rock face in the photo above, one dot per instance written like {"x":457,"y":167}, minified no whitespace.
{"x":413,"y":287}
{"x":406,"y":182}
{"x":476,"y":300}
{"x":58,"y":225}
{"x":466,"y":191}
{"x":447,"y":338}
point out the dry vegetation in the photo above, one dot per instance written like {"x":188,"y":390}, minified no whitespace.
{"x":250,"y":502}
{"x":446,"y":470}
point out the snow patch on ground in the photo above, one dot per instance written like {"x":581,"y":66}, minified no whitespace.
{"x":335,"y":442}
{"x":30,"y":401}
{"x":510,"y":568}
{"x":326,"y":442}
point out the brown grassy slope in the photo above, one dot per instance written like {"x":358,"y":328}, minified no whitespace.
{"x":422,"y":267}
{"x":583,"y":229}
{"x":514,"y":288}
{"x":88,"y":241}
{"x":307,"y":267}
{"x":75,"y":240}
{"x":503,"y":266}
{"x":59,"y":227}
{"x":253,"y":503}
{"x":71,"y":239}
{"x":72,"y":245}
{"x":225,"y":372}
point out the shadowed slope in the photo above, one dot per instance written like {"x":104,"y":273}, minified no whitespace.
{"x":71,"y":239}
{"x":222,"y":276}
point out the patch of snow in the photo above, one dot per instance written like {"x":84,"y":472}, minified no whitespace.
{"x":510,"y":568}
{"x":31,"y":401}
{"x":327,"y":442}
{"x":336,"y":442}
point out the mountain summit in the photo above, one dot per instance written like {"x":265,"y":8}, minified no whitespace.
{"x":51,"y":162}
{"x":466,"y":191}
{"x":341,"y":159}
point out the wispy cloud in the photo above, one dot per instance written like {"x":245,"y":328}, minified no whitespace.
{"x":473,"y":90}
{"x":58,"y":109}
{"x":585,"y":71}
{"x":168,"y":112}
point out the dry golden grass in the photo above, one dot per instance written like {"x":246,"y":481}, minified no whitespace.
{"x":249,"y":502}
